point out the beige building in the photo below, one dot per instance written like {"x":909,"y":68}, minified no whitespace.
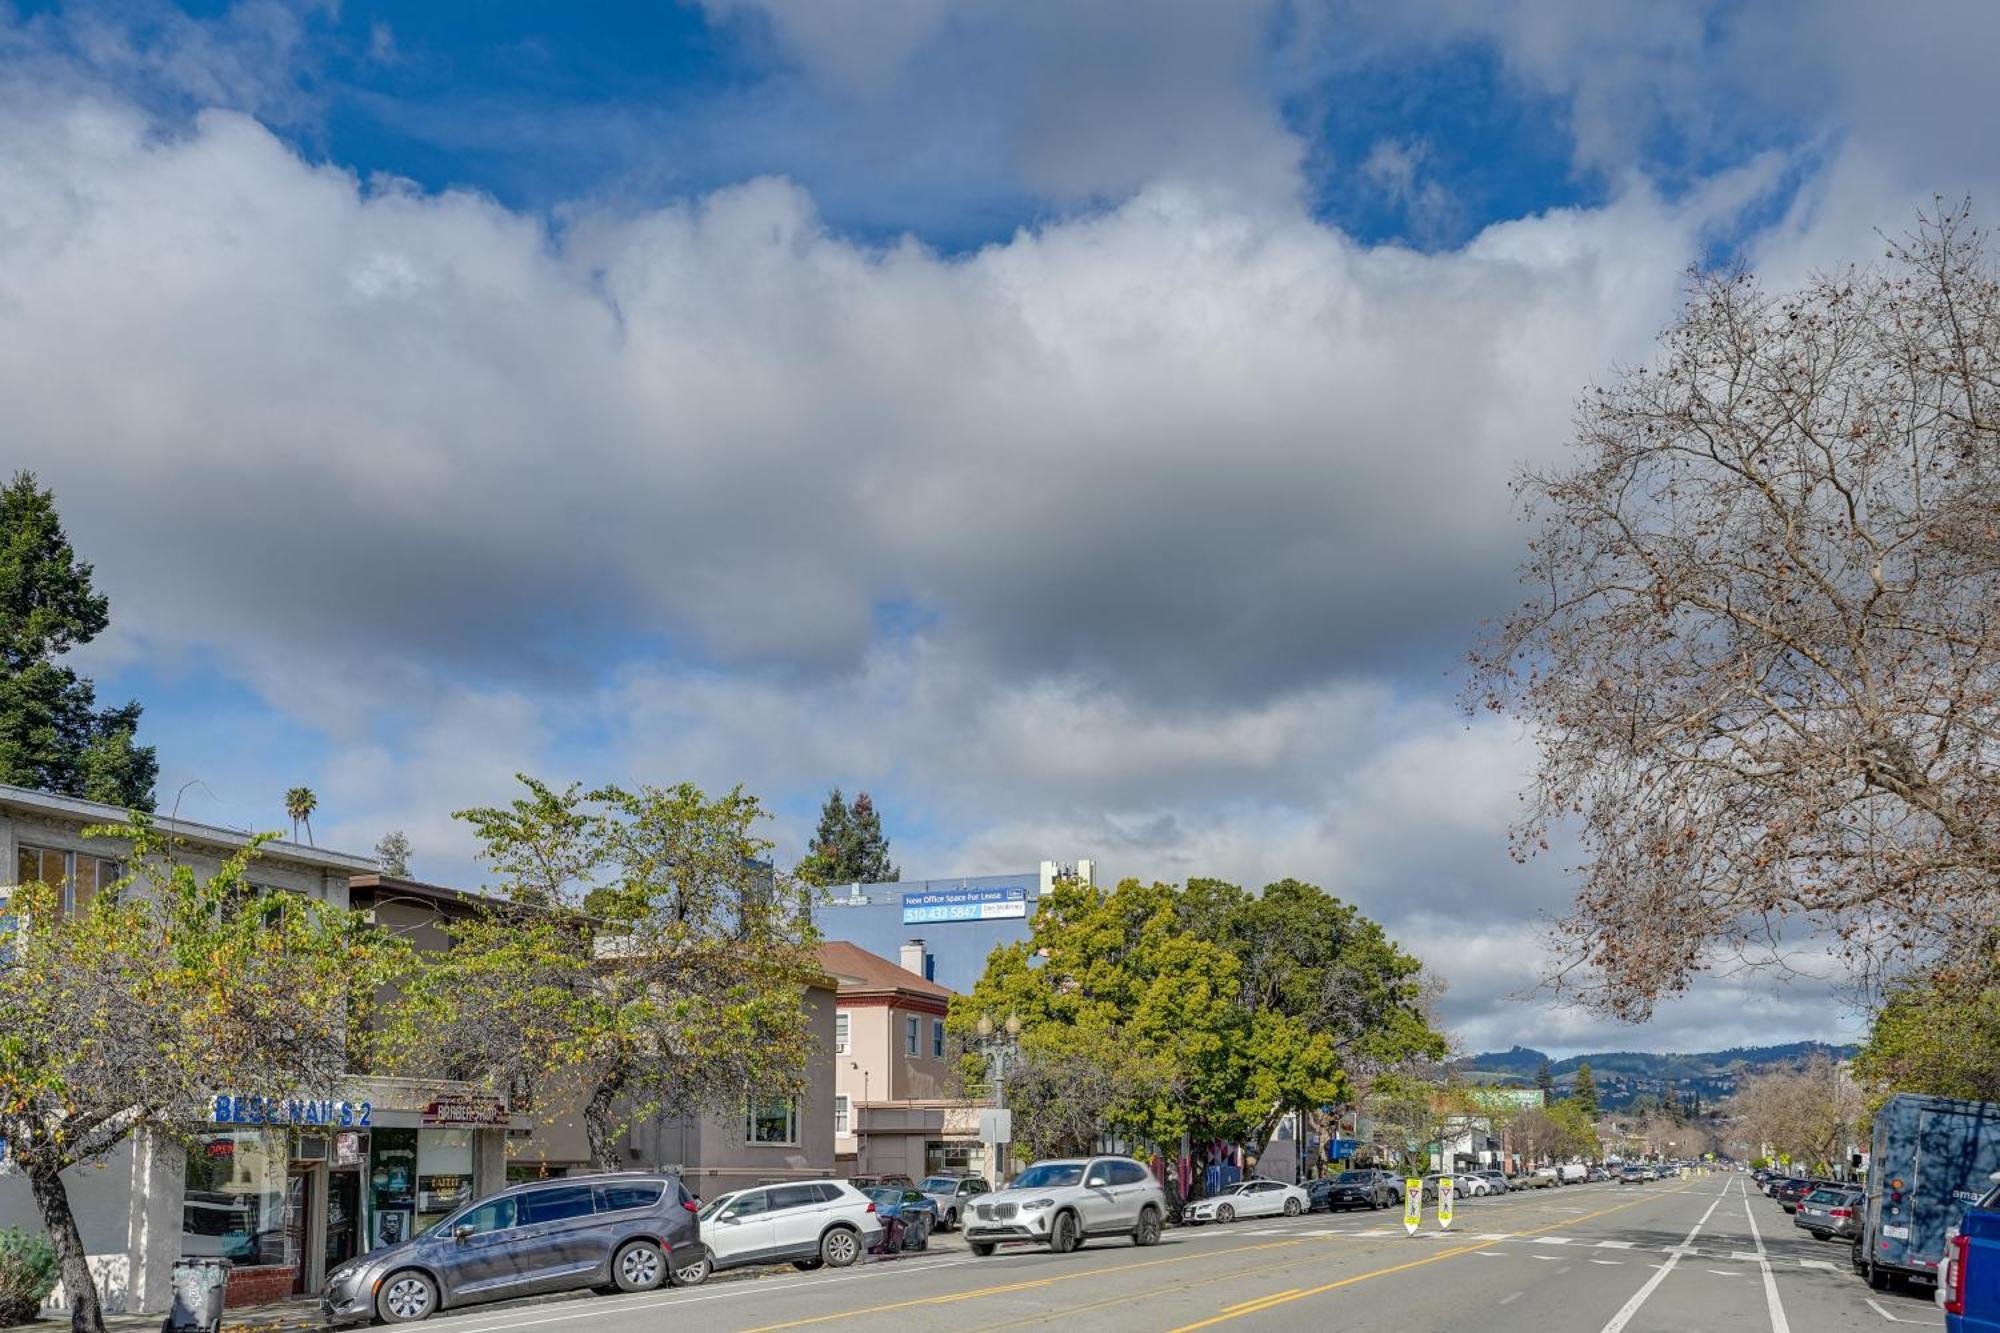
{"x":896,"y":1102}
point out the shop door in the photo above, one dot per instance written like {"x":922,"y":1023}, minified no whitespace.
{"x":298,"y":1215}
{"x":343,"y":1217}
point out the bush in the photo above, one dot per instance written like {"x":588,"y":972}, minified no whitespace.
{"x":27,"y":1274}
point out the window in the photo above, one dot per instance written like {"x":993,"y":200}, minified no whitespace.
{"x":910,"y":1036}
{"x":828,"y":1193}
{"x":556,"y":1205}
{"x":234,"y":1205}
{"x":78,"y":874}
{"x":1131,"y":1173}
{"x":612,"y":1198}
{"x":773,"y":1120}
{"x":840,"y":1032}
{"x":840,"y":1115}
{"x":937,"y":1038}
{"x":748,"y":1204}
{"x":495,"y":1216}
{"x":794,"y":1196}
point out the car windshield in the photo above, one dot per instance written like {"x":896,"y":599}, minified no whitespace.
{"x":1050,"y":1175}
{"x":1351,"y":1178}
{"x":1826,"y":1196}
{"x":939,"y":1184}
{"x":888,"y":1195}
{"x":714,"y":1206}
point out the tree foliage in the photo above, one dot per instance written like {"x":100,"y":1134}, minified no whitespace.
{"x":848,"y":847}
{"x":53,"y":737}
{"x":1809,"y":1114}
{"x":132,"y":1010}
{"x":1584,"y":1091}
{"x":392,"y":853}
{"x":1203,"y":1011}
{"x":300,"y":803}
{"x":1938,"y":1032}
{"x":642,"y":957}
{"x":1761,"y":651}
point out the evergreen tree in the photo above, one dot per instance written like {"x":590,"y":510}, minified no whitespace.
{"x":1545,"y":1079}
{"x":871,"y":849}
{"x":52,"y":735}
{"x":848,"y":847}
{"x":1584,"y":1094}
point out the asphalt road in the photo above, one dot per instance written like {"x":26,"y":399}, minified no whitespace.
{"x":1698,"y":1254}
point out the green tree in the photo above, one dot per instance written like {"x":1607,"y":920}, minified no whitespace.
{"x":1545,"y":1079}
{"x":300,"y":804}
{"x":392,"y":853}
{"x":1937,"y":1032}
{"x":643,"y":957}
{"x":848,"y":847}
{"x":130,"y":1012}
{"x":1584,"y":1091}
{"x":52,"y":735}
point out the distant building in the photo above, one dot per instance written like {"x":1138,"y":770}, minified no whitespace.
{"x":961,"y":920}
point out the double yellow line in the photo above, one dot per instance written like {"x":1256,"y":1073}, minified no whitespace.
{"x":1263,"y":1303}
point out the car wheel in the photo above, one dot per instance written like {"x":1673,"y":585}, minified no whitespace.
{"x":694,"y":1272}
{"x":951,"y":1220}
{"x":806,"y":1265}
{"x":639,"y":1267}
{"x":840,"y":1247}
{"x":1148,"y":1230}
{"x":1878,"y":1278}
{"x":1062,"y":1234}
{"x":982,"y":1248}
{"x":406,"y":1297}
{"x":1225,"y":1212}
{"x":1292,"y":1208}
{"x":1822,"y":1235}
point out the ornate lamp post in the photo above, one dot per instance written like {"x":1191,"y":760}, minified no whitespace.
{"x":998,"y":1043}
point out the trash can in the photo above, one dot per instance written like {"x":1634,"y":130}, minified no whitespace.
{"x":199,"y":1288}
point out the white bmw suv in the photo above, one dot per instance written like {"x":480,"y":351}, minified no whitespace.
{"x":1062,"y":1203}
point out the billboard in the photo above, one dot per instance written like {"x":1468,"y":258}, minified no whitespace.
{"x":927,"y":906}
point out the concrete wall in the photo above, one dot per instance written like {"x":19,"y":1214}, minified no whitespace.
{"x":131,"y":1234}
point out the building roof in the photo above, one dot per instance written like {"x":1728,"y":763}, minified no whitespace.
{"x":50,"y":805}
{"x":860,"y":972}
{"x":395,"y":886}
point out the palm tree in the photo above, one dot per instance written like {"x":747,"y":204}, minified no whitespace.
{"x":300,"y":804}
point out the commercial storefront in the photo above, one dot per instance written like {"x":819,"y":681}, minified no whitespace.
{"x":287,"y":1190}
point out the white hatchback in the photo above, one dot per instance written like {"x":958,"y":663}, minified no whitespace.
{"x":1249,"y":1198}
{"x":809,"y":1224}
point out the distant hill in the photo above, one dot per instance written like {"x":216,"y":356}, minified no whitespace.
{"x":1623,"y":1075}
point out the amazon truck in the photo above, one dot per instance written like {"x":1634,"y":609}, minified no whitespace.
{"x":1931,"y":1159}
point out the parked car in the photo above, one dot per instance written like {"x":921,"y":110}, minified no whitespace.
{"x":1930,"y":1159}
{"x":1062,"y":1203}
{"x":1477,"y":1183}
{"x":952,"y":1195}
{"x":1362,"y":1188}
{"x":809,"y":1224}
{"x":908,"y":1217}
{"x":1830,"y":1211}
{"x":890,"y":1178}
{"x":1789,"y":1193}
{"x":1574,"y":1173}
{"x":1969,"y":1276}
{"x":624,"y":1231}
{"x":1248,"y":1198}
{"x":1598,"y":1174}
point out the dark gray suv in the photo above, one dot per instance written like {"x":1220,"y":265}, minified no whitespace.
{"x":616,"y":1232}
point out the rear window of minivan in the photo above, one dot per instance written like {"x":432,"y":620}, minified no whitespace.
{"x":612,"y":1198}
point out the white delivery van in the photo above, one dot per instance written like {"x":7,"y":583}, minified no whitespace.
{"x":1575,"y":1173}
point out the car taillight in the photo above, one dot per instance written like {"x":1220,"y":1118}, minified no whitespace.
{"x":1840,"y":1212}
{"x":871,"y":1205}
{"x":1961,"y":1249}
{"x":691,"y":1205}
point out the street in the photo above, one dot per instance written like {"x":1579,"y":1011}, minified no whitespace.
{"x":1705,"y":1253}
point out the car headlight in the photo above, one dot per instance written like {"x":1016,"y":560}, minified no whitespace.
{"x":1039,"y":1203}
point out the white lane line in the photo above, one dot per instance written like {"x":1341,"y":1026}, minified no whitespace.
{"x":1610,"y":1263}
{"x":1550,"y":1258}
{"x":1494,"y":1235}
{"x":1827,"y":1264}
{"x":1553,"y":1240}
{"x":1725,"y":1272}
{"x":1490,"y":1254}
{"x":1515,"y":1296}
{"x":1631,"y":1307}
{"x":1896,"y":1318}
{"x":1779,"y":1324}
{"x":1615,"y":1244}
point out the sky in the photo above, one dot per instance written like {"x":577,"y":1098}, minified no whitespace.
{"x":1085,"y":426}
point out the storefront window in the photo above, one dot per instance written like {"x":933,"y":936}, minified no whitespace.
{"x":392,"y":1186}
{"x":235,"y":1202}
{"x":444,"y":1173}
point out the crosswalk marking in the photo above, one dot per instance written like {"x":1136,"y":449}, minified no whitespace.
{"x":1614,"y":1244}
{"x":1610,"y":1263}
{"x":1552,"y":1240}
{"x":1819,"y":1263}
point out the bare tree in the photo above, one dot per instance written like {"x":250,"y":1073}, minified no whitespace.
{"x":1761,"y":658}
{"x":1807,"y":1114}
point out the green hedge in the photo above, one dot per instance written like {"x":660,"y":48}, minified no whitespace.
{"x":27,"y":1274}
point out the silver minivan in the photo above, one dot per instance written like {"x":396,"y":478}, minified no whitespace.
{"x":623,"y":1231}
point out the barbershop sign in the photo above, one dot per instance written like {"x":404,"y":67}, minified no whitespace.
{"x":230,"y":1109}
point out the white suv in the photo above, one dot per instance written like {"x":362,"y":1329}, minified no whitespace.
{"x":810,"y":1224}
{"x":1060,"y":1203}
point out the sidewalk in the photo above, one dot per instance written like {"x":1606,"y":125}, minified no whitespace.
{"x":282,"y":1317}
{"x":303,"y":1313}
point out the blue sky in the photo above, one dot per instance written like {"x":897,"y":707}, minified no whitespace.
{"x":1084,"y":425}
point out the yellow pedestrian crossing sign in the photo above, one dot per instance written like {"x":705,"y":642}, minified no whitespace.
{"x":1444,"y":1202}
{"x":1413,"y":1205}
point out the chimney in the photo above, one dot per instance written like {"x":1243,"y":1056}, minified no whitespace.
{"x":913,"y":957}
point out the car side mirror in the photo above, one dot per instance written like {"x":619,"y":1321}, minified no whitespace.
{"x":1097,"y":1183}
{"x":463,"y":1232}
